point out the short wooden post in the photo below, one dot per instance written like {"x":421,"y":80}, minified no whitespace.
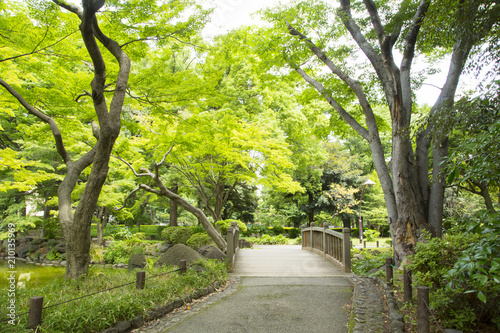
{"x":346,"y":250}
{"x":182,"y":264}
{"x":377,"y":243}
{"x":407,"y":298}
{"x":141,"y":279}
{"x":35,"y":312}
{"x":388,"y":270}
{"x":364,"y":244}
{"x":423,"y":309}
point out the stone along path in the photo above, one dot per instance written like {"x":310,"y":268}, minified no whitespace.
{"x":273,"y":289}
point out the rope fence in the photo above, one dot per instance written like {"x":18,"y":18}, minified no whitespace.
{"x":36,"y":303}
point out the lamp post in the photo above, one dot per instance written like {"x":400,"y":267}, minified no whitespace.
{"x":368,"y":182}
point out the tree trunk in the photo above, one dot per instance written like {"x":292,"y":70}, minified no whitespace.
{"x":173,"y":208}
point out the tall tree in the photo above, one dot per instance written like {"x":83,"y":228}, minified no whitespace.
{"x":105,"y":120}
{"x":379,"y":29}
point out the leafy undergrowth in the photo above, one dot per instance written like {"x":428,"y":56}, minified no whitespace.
{"x":274,"y":240}
{"x":100,"y":311}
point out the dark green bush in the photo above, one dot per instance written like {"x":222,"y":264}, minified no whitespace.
{"x":293,"y":232}
{"x":223,"y":225}
{"x":198,"y":240}
{"x":277,"y":230}
{"x":177,"y":235}
{"x":463,"y":271}
{"x":255,"y":229}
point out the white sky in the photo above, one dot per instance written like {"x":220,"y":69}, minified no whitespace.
{"x":231,"y":14}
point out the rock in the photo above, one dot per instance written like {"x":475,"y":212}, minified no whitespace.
{"x":177,"y":253}
{"x":110,"y":330}
{"x":37,"y":241}
{"x":23,"y":251}
{"x":107,"y":243}
{"x":169,"y":307}
{"x":60,"y":247}
{"x":211,"y":252}
{"x":165,"y":247}
{"x":245,"y":244}
{"x":123,"y":326}
{"x":137,"y":322}
{"x":451,"y":330}
{"x":137,"y":260}
{"x":178,"y":302}
{"x":160,"y":311}
{"x":187,"y":298}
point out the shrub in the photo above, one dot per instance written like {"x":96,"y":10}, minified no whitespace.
{"x":293,"y":232}
{"x":435,"y":265}
{"x":198,"y":240}
{"x":277,"y":230}
{"x":116,"y":253}
{"x":365,"y":260}
{"x":119,"y":232}
{"x":371,"y":235}
{"x":255,"y":229}
{"x":225,"y":224}
{"x":269,"y":240}
{"x":178,"y":235}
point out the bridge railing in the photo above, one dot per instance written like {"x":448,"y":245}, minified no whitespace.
{"x":333,"y":245}
{"x":233,"y":241}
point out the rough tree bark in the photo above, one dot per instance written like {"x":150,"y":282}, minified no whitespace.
{"x":76,"y":226}
{"x":414,"y":202}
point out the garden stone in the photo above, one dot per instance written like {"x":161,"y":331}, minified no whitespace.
{"x":110,"y":330}
{"x":107,"y":243}
{"x":137,"y":322}
{"x":60,"y":247}
{"x":178,"y":302}
{"x":211,"y":252}
{"x":37,"y":241}
{"x":160,"y":311}
{"x":169,"y":307}
{"x":23,"y":251}
{"x":187,"y":298}
{"x":137,"y":260}
{"x":177,"y":253}
{"x":165,"y":247}
{"x":123,"y":326}
{"x":451,"y":330}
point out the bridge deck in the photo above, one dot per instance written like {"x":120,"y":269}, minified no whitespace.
{"x":282,"y":289}
{"x":283,"y":260}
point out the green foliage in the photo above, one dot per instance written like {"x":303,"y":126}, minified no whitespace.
{"x":223,"y":225}
{"x":277,"y":230}
{"x":255,"y":229}
{"x":177,"y":235}
{"x":101,"y":311}
{"x":371,"y":235}
{"x":365,"y":260}
{"x":293,"y":232}
{"x":198,"y":240}
{"x":463,"y":271}
{"x":270,"y":240}
{"x":54,"y":255}
{"x":118,"y":232}
{"x":117,"y":253}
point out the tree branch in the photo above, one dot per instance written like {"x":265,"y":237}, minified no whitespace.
{"x":363,"y":132}
{"x":43,"y":117}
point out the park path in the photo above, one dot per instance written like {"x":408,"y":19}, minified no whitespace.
{"x":280,"y":289}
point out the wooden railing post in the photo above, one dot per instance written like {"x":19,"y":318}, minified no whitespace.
{"x":35,"y":312}
{"x":230,"y":246}
{"x":326,"y":227}
{"x":312,"y":234}
{"x":346,"y":244}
